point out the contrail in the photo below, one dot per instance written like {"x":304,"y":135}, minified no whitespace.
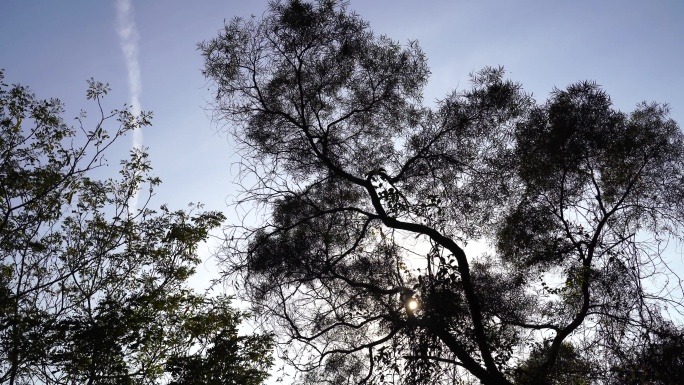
{"x":128,"y":36}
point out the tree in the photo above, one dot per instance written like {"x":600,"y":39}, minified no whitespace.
{"x":569,"y":368}
{"x":656,"y":358}
{"x":92,"y":289}
{"x":366,"y":199}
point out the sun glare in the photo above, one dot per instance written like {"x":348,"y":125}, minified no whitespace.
{"x":412,"y":304}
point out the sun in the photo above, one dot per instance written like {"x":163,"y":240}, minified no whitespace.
{"x":412,"y":304}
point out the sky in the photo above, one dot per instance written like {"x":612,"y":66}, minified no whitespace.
{"x":147,"y":51}
{"x":633,"y":49}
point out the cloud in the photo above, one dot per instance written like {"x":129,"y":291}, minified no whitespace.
{"x":128,"y":39}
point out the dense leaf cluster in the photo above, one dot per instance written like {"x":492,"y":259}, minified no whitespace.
{"x":92,"y":288}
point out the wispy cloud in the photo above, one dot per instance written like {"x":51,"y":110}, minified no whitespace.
{"x":128,"y":37}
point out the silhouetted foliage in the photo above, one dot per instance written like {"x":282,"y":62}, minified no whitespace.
{"x":92,"y":289}
{"x":657,"y":358}
{"x":367,"y":199}
{"x":569,"y":369}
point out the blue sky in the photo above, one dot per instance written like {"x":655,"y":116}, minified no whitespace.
{"x":634,"y":49}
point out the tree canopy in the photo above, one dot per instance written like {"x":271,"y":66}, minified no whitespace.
{"x":366,"y":199}
{"x":92,"y":288}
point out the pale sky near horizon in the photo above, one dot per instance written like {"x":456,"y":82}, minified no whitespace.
{"x":634,"y":49}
